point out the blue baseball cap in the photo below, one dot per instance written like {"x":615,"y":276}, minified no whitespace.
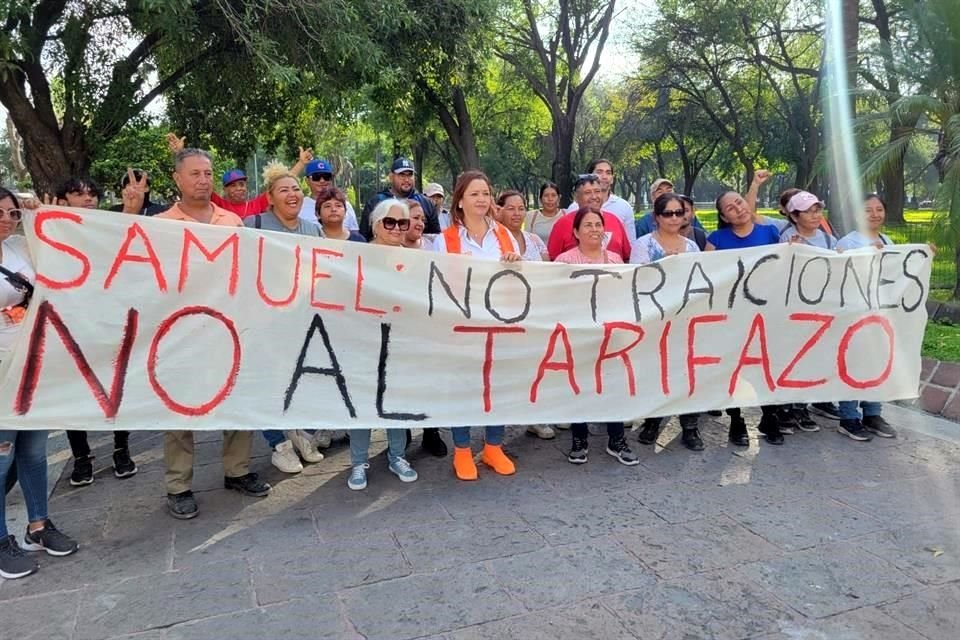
{"x":402,"y":165}
{"x":318,"y":166}
{"x":232,"y":176}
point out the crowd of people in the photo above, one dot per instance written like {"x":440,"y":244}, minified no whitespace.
{"x":598,"y":228}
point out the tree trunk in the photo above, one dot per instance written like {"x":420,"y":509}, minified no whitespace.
{"x":419,"y":153}
{"x":561,"y":171}
{"x":956,"y":261}
{"x":892,"y":175}
{"x":851,"y":44}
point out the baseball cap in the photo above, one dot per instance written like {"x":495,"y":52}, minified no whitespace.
{"x":402,"y":165}
{"x":233,"y":176}
{"x":658,"y":182}
{"x":803,"y":201}
{"x":433,"y":189}
{"x":318,"y":166}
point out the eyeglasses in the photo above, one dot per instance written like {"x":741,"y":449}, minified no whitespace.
{"x":317,"y":177}
{"x":13,"y":214}
{"x":673,"y":213}
{"x":390,"y":223}
{"x":585,"y":178}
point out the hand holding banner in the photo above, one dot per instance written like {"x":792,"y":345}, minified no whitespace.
{"x":140,"y":323}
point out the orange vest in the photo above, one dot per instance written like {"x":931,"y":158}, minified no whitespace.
{"x":451,"y":236}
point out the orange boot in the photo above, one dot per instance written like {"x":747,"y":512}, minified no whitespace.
{"x":463,"y":464}
{"x":494,"y":457}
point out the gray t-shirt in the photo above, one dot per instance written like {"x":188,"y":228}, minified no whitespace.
{"x":270,"y":222}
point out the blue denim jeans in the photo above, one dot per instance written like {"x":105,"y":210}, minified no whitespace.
{"x":850,"y":409}
{"x":360,"y":444}
{"x":29,"y":448}
{"x":492,"y":435}
{"x":275,"y":437}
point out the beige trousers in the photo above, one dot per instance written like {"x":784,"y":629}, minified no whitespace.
{"x":178,"y":456}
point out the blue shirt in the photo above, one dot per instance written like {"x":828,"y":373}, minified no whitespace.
{"x":762,"y":234}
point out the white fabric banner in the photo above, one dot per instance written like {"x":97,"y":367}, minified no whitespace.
{"x":140,"y":323}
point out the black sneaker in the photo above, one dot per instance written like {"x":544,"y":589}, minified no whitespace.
{"x":248,"y":485}
{"x":786,"y":422}
{"x":650,"y":431}
{"x":770,"y":428}
{"x":49,"y":539}
{"x":578,"y":454}
{"x":802,"y":417}
{"x":433,"y":444}
{"x":879,"y":427}
{"x":82,"y":471}
{"x":826,"y":410}
{"x":854,"y":430}
{"x":182,"y":506}
{"x":738,"y":432}
{"x":716,"y":413}
{"x":691,"y":439}
{"x":123,"y":464}
{"x":14,"y":563}
{"x":618,"y":449}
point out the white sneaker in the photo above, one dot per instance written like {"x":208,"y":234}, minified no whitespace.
{"x":285,"y":458}
{"x":322,"y":439}
{"x":303,"y":443}
{"x":358,"y":477}
{"x":542,"y":431}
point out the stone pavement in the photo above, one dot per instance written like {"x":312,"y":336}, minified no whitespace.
{"x":821,"y":538}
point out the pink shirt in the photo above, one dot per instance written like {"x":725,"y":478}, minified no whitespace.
{"x":575,"y":256}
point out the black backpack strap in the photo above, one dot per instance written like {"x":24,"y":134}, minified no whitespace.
{"x":256,"y":221}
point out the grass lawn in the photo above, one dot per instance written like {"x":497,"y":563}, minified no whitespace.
{"x":942,"y":342}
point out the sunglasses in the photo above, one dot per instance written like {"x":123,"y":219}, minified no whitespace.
{"x":585,"y":178}
{"x":673,"y":213}
{"x":390,"y":223}
{"x":317,"y":177}
{"x":14,"y":214}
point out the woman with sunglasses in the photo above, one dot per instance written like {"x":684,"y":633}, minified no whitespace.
{"x":390,"y":221}
{"x":670,"y":214}
{"x":331,"y":213}
{"x":27,"y":448}
{"x":666,"y":238}
{"x":475,"y":232}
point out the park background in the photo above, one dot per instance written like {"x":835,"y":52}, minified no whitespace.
{"x":704,"y":92}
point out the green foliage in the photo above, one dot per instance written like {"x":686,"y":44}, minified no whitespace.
{"x":941,"y":342}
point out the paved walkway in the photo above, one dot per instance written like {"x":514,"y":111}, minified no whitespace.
{"x":821,"y":538}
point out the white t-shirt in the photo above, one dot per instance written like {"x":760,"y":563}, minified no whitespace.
{"x":536,"y":248}
{"x":620,"y":208}
{"x":856,"y":240}
{"x":309,"y":212}
{"x":16,"y":258}
{"x":488,"y":248}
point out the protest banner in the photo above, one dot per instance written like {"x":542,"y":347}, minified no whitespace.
{"x":140,"y":323}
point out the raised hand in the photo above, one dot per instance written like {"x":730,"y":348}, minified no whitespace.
{"x":761,"y":175}
{"x":175,"y":144}
{"x":306,"y":155}
{"x":135,"y":192}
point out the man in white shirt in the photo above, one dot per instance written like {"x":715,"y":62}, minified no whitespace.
{"x":320,"y":176}
{"x":613,"y":203}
